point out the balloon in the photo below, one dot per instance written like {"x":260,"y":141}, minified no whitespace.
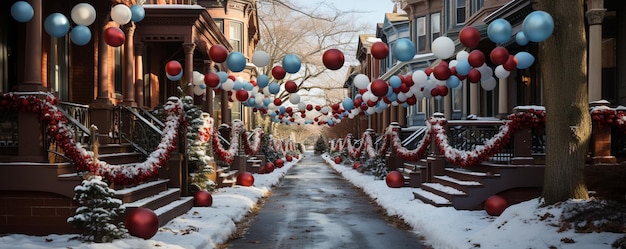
{"x":463,"y":67}
{"x":379,"y":50}
{"x":524,"y":60}
{"x":197,"y":90}
{"x":511,"y":63}
{"x":80,"y":35}
{"x":538,"y":26}
{"x":473,"y":76}
{"x":404,"y":49}
{"x":462,"y":55}
{"x":333,"y":59}
{"x":22,"y":11}
{"x":488,"y":84}
{"x":218,"y":53}
{"x":379,"y":88}
{"x":443,"y":47}
{"x":174,"y":77}
{"x":347,"y":104}
{"x":499,"y":55}
{"x":260,"y":58}
{"x":395,"y":81}
{"x":83,"y":14}
{"x":114,"y":36}
{"x":241,"y":95}
{"x":476,"y":58}
{"x":294,"y":98}
{"x":274,"y":88}
{"x":238,"y":85}
{"x":278,"y":72}
{"x":223,"y":76}
{"x":291,"y":63}
{"x":469,"y":36}
{"x":521,"y":39}
{"x":137,"y":13}
{"x":499,"y":30}
{"x":142,"y":222}
{"x":453,"y":82}
{"x":262,"y":80}
{"x":57,"y":25}
{"x":501,"y":73}
{"x":236,"y":61}
{"x":211,"y":79}
{"x":291,"y":86}
{"x":441,"y":72}
{"x":419,"y":77}
{"x":361,"y":81}
{"x":121,"y":14}
{"x":173,"y":67}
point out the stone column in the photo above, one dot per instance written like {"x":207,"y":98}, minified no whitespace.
{"x":101,"y":109}
{"x":503,"y":100}
{"x":601,"y":140}
{"x":522,"y":145}
{"x":594,"y":18}
{"x":208,"y":96}
{"x":128,"y":81}
{"x":32,"y":68}
{"x":393,"y":161}
{"x":226,"y":118}
{"x":188,"y":67}
{"x":447,"y":105}
{"x":139,"y":73}
{"x":474,"y":100}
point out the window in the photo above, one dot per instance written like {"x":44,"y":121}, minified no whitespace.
{"x":476,"y":5}
{"x":220,"y":24}
{"x":235,"y":33}
{"x":117,"y":54}
{"x":456,"y":10}
{"x":421,"y":33}
{"x":435,"y":25}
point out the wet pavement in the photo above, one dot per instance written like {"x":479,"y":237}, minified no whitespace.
{"x":314,"y":207}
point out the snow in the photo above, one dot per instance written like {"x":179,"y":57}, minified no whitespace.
{"x":520,"y":226}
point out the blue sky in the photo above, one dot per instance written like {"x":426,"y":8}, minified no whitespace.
{"x":370,"y":11}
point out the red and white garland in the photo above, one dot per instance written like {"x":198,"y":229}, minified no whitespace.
{"x":252,"y":149}
{"x":228,"y":156}
{"x":604,"y":115}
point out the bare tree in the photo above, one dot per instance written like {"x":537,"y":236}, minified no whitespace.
{"x":563,"y":59}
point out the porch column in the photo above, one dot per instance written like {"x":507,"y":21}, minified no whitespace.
{"x":226,"y":119}
{"x":188,"y":68}
{"x":208,"y":96}
{"x":128,"y":63}
{"x":595,"y":14}
{"x":101,"y":109}
{"x":402,"y":115}
{"x":474,"y":100}
{"x":32,"y":69}
{"x":447,"y":105}
{"x":503,"y":100}
{"x":139,"y":73}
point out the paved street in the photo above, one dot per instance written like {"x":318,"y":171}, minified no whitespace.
{"x":313,"y":207}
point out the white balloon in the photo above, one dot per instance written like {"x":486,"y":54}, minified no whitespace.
{"x":301,"y":106}
{"x":441,"y":82}
{"x":271,"y":106}
{"x":419,"y":77}
{"x":488,"y":84}
{"x":361,"y":81}
{"x":432,"y":83}
{"x":198,"y":78}
{"x":260,"y":58}
{"x":443,"y":47}
{"x":197,"y":90}
{"x":121,"y":14}
{"x":325,"y":110}
{"x":485,"y":72}
{"x":427,"y":94}
{"x":83,"y":14}
{"x":266,"y":91}
{"x":228,"y":85}
{"x":402,"y":97}
{"x":462,"y":55}
{"x":501,"y":73}
{"x":369,"y":96}
{"x":371,"y":110}
{"x":452,"y":63}
{"x":294,"y":98}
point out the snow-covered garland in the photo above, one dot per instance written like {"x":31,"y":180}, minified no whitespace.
{"x":252,"y":149}
{"x":414,"y":154}
{"x":228,"y":156}
{"x":604,"y":115}
{"x":62,"y":134}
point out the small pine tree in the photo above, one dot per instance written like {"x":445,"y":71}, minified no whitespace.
{"x":320,"y":146}
{"x":97,"y":212}
{"x":268,"y":150}
{"x":198,"y":152}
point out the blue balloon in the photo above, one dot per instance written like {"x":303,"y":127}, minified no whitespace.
{"x":262,"y":81}
{"x":223,"y":76}
{"x":236,"y":61}
{"x":282,"y":109}
{"x":175,"y":77}
{"x":238,"y":85}
{"x":524,"y":60}
{"x":80,"y":35}
{"x":521,"y":39}
{"x":499,"y":31}
{"x":266,"y":101}
{"x":404,"y":49}
{"x":453,"y":82}
{"x":274,"y":88}
{"x":392,"y":97}
{"x":202,"y":86}
{"x":291,"y":63}
{"x":138,"y":13}
{"x":57,"y":25}
{"x":22,"y":11}
{"x":395,"y":81}
{"x":382,"y":105}
{"x":538,"y":26}
{"x":248,"y":86}
{"x":347,"y":104}
{"x":463,"y":67}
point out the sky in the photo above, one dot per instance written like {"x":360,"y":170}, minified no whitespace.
{"x":520,"y":226}
{"x":366,"y":11}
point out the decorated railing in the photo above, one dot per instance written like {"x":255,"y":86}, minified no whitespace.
{"x":131,"y":127}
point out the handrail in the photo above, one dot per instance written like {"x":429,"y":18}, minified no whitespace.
{"x":150,"y":116}
{"x":78,"y":126}
{"x":421,"y":130}
{"x":137,"y":130}
{"x":144,"y":120}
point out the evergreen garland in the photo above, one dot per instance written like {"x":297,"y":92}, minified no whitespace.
{"x":198,"y":150}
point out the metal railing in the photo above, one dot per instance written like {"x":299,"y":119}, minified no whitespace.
{"x":416,"y":133}
{"x":129,"y":126}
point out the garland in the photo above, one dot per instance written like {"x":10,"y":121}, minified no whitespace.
{"x":228,"y":156}
{"x":604,"y":115}
{"x":256,"y":145}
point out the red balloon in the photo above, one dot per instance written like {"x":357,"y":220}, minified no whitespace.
{"x":473,"y":76}
{"x":218,"y":53}
{"x":115,"y":37}
{"x":495,"y":205}
{"x":309,"y":107}
{"x":356,"y":165}
{"x":379,"y":50}
{"x":469,"y":36}
{"x":245,"y":179}
{"x":337,"y":160}
{"x":443,"y":90}
{"x":289,"y":109}
{"x":278,"y":72}
{"x":435,"y":92}
{"x":394,"y":179}
{"x":379,"y":88}
{"x":510,"y":64}
{"x":173,"y":68}
{"x":404,"y":88}
{"x":241,"y":95}
{"x":428,"y":71}
{"x":291,"y":86}
{"x":371,"y":103}
{"x":202,"y":198}
{"x":442,"y":72}
{"x":289,"y":158}
{"x":499,"y":55}
{"x":142,"y":222}
{"x":318,"y":108}
{"x":411,"y":100}
{"x":333,"y":59}
{"x":476,"y":58}
{"x":278,"y":101}
{"x":279,"y":163}
{"x":211,"y":79}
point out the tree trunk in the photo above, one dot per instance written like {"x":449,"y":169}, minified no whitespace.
{"x":563,"y":63}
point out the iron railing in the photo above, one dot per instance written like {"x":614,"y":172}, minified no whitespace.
{"x":130,"y":126}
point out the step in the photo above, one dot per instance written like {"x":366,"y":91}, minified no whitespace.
{"x":115,"y":148}
{"x":174,"y":209}
{"x":461,"y":185}
{"x":121,"y":158}
{"x":132,"y":194}
{"x":431,"y":198}
{"x":467,"y":175}
{"x":442,"y":190}
{"x":156,"y":201}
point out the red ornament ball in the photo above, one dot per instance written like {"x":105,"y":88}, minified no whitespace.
{"x":309,"y":107}
{"x":499,"y":55}
{"x":510,"y":64}
{"x":291,"y":86}
{"x":379,"y":88}
{"x":218,"y":53}
{"x":338,"y":160}
{"x":241,"y":95}
{"x":469,"y":37}
{"x":443,"y":90}
{"x":333,"y":59}
{"x":269,"y":167}
{"x":245,"y":179}
{"x":476,"y":58}
{"x":289,"y":158}
{"x":173,"y":68}
{"x":356,"y":165}
{"x":278,"y":101}
{"x":379,"y":50}
{"x":279,"y":163}
{"x":495,"y":205}
{"x":394,"y":179}
{"x":278,"y":72}
{"x":142,"y":223}
{"x":114,"y":37}
{"x":202,"y":198}
{"x":211,"y":79}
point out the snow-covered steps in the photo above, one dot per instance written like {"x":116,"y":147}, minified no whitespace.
{"x":431,"y":198}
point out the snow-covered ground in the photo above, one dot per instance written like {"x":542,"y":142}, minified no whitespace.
{"x":522,"y":226}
